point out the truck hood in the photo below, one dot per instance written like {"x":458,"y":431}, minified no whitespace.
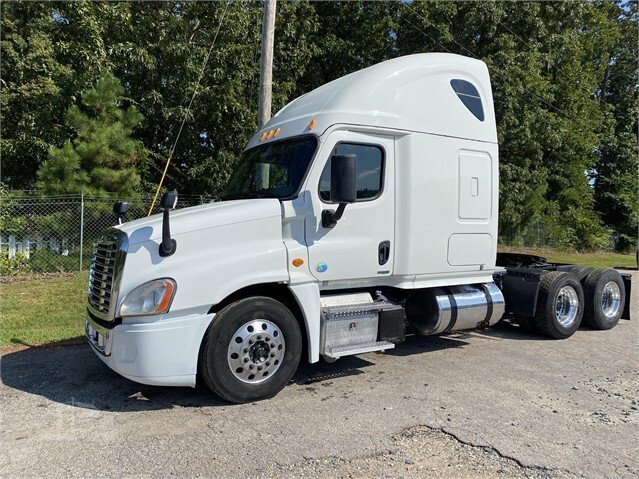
{"x":196,"y":218}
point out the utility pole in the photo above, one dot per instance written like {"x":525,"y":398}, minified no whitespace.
{"x":266,"y":61}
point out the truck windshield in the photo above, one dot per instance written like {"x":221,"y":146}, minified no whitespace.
{"x":272,"y":170}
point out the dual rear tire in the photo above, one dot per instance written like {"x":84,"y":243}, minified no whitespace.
{"x":566,"y":297}
{"x":605,"y":297}
{"x":560,"y":305}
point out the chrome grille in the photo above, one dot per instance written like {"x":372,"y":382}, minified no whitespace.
{"x":106,"y":264}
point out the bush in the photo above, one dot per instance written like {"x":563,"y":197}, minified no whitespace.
{"x":19,"y":264}
{"x":46,"y":261}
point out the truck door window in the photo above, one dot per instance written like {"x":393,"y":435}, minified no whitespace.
{"x":370,"y":169}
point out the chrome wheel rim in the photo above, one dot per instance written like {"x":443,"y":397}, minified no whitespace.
{"x":256,"y":351}
{"x":611,"y":299}
{"x":567,"y":305}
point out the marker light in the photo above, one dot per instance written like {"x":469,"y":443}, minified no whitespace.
{"x":311,"y":124}
{"x":271,"y":134}
{"x":277,"y":133}
{"x":153,"y":297}
{"x":297,"y":262}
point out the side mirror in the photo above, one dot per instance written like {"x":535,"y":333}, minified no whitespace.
{"x":119,"y":208}
{"x":169,"y":200}
{"x":343,"y":179}
{"x":167,"y":203}
{"x":343,"y":187}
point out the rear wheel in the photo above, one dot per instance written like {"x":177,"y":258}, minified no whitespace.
{"x":581,"y":272}
{"x":560,"y":305}
{"x":605,"y":298}
{"x":251,"y":350}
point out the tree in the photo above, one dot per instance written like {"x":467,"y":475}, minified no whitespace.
{"x":102,"y":158}
{"x":563,"y":76}
{"x":615,"y":173}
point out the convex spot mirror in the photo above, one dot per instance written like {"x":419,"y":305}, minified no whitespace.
{"x":120,"y":207}
{"x":343,"y":179}
{"x":169,"y":200}
{"x":167,"y":203}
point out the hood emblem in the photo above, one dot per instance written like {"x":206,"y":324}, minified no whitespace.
{"x":321,"y":267}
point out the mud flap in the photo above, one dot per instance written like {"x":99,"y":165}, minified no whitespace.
{"x":520,"y":288}
{"x":627,"y":282}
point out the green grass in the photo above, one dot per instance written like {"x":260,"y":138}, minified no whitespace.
{"x":47,"y":310}
{"x":43,"y":310}
{"x":595,"y":259}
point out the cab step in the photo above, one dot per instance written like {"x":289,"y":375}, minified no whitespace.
{"x":350,"y":324}
{"x":338,"y":352}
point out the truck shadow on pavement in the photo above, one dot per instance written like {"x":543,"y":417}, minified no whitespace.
{"x":75,"y":376}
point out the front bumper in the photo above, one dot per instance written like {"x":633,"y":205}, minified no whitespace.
{"x":161,"y":353}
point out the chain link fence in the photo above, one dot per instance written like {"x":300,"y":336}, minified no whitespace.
{"x":47,"y":234}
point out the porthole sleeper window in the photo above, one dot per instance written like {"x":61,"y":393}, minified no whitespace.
{"x":469,"y":96}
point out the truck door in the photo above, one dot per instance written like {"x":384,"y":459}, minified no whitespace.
{"x":361,"y":245}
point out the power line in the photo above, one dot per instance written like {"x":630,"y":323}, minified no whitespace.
{"x":423,"y":32}
{"x":561,"y":114}
{"x":527,"y":44}
{"x":440,"y":31}
{"x":188,"y":109}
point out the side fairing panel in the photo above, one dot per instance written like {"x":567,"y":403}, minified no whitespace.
{"x":447,"y":208}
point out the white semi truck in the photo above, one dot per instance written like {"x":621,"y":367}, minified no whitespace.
{"x":364,"y":209}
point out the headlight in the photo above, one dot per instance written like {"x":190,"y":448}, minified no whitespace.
{"x":153,"y":297}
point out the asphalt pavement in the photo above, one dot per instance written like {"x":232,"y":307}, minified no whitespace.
{"x":493,"y":403}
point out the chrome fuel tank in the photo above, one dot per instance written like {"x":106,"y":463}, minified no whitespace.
{"x":451,"y":308}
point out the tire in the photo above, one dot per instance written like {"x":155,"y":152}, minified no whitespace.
{"x":560,"y":305}
{"x":581,"y":272}
{"x":605,"y":298}
{"x":259,"y":332}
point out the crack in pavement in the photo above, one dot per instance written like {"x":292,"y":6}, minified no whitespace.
{"x":489,"y":447}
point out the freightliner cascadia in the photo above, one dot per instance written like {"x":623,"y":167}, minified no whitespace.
{"x":363,"y":211}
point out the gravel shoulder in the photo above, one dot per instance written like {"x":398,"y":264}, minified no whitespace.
{"x":497,"y":403}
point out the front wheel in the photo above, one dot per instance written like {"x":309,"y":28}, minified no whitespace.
{"x":560,"y":305}
{"x":251,"y":350}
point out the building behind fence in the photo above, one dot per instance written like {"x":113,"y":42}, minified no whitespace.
{"x":40,"y":234}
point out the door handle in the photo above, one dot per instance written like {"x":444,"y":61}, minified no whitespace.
{"x":383,"y":252}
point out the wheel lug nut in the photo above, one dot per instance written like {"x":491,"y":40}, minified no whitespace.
{"x":259,"y":368}
{"x":272,"y":355}
{"x":267,"y":338}
{"x":272,"y":345}
{"x":250,"y":341}
{"x":267,"y":363}
{"x":259,"y":337}
{"x":250,"y":366}
{"x":246,"y":360}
